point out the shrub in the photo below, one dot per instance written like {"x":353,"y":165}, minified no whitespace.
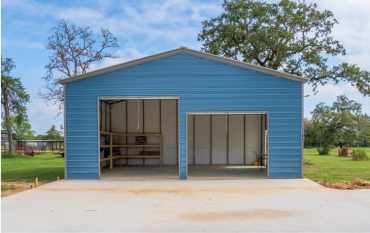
{"x":308,"y":163}
{"x":323,"y":150}
{"x":359,"y":155}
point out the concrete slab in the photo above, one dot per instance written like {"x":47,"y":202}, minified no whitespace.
{"x":252,"y":205}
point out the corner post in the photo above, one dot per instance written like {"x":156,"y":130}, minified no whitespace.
{"x":183,"y":166}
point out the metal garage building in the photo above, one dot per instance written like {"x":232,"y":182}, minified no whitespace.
{"x":184,"y":110}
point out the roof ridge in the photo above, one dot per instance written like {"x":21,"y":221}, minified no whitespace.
{"x":187,"y":50}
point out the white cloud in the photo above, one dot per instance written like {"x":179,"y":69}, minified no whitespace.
{"x":43,"y":115}
{"x":328,"y":94}
{"x":120,"y":56}
{"x":80,"y":14}
{"x":361,"y":59}
{"x":353,"y":29}
{"x":171,"y":22}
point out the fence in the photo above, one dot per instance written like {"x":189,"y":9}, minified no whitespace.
{"x":36,"y":146}
{"x":40,"y":145}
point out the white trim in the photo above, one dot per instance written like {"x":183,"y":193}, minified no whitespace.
{"x":178,"y":141}
{"x":275,"y":73}
{"x":65,"y":134}
{"x":268,"y":144}
{"x":186,"y":143}
{"x":302,"y":130}
{"x":98,"y":131}
{"x":224,"y":113}
{"x":139,"y":97}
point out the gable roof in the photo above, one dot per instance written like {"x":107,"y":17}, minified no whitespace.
{"x":188,"y":51}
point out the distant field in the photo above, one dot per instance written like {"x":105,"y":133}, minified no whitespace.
{"x":334,"y":169}
{"x":20,"y":168}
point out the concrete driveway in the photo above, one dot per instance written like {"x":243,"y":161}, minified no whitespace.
{"x":253,"y":205}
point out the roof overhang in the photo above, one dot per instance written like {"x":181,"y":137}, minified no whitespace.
{"x":188,"y":51}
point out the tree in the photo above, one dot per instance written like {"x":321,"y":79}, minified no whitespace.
{"x":325,"y":127}
{"x":363,"y":138}
{"x":347,"y":113}
{"x":345,"y":105}
{"x":52,"y":134}
{"x":336,"y":124}
{"x":73,"y":50}
{"x":22,"y":128}
{"x":295,"y":37}
{"x":13,"y":99}
{"x":309,"y":134}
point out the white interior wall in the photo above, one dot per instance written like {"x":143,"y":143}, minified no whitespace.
{"x":252,"y":134}
{"x":102,"y":116}
{"x":236,"y":135}
{"x":204,"y":154}
{"x":149,"y":124}
{"x":219,"y":139}
{"x":119,"y":125}
{"x":202,"y":139}
{"x":231,"y":151}
{"x":102,"y":125}
{"x":118,"y":119}
{"x":169,"y":132}
{"x":134,"y":125}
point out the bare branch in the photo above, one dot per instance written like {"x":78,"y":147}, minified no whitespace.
{"x":73,"y":50}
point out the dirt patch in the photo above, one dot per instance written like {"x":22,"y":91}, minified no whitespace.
{"x":9,"y":188}
{"x":187,"y":191}
{"x":355,"y":184}
{"x":239,"y":215}
{"x":148,"y":191}
{"x":177,"y":190}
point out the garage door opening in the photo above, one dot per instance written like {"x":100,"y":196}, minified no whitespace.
{"x":227,"y":145}
{"x":138,"y":138}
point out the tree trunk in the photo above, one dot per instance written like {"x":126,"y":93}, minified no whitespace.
{"x":10,"y":140}
{"x":8,"y":125}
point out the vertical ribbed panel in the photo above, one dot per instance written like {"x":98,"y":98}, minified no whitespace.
{"x":201,"y":85}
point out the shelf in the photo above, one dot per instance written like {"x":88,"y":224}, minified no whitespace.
{"x":112,"y":135}
{"x":138,"y":156}
{"x":129,"y":134}
{"x":131,"y":157}
{"x":131,"y":145}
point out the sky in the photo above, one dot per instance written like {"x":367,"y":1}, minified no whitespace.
{"x":148,"y":27}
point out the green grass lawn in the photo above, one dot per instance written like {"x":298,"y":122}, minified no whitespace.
{"x":334,"y":169}
{"x":320,"y":168}
{"x":20,"y":168}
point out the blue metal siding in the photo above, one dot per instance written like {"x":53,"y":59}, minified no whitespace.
{"x":202,"y":85}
